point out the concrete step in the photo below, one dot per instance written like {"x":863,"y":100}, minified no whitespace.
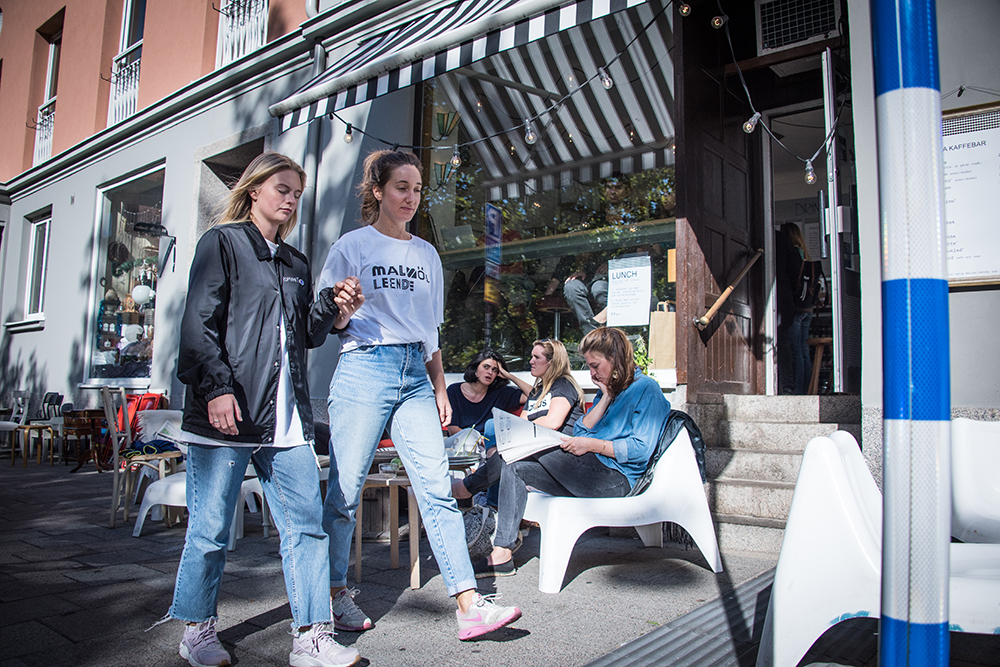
{"x":771,"y":436}
{"x":752,"y":498}
{"x":752,"y":464}
{"x":745,"y":533}
{"x":794,"y":409}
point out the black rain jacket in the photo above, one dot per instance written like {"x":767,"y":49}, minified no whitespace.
{"x":231,"y":331}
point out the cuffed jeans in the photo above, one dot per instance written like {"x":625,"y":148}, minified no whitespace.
{"x":373,"y":386}
{"x":290,"y":480}
{"x":558,"y":473}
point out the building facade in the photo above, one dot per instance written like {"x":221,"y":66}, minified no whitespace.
{"x":602,"y":132}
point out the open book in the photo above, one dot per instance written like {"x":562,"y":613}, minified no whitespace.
{"x":518,"y":438}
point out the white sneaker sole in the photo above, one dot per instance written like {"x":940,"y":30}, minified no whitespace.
{"x":300,"y":660}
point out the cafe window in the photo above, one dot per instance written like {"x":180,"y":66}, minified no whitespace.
{"x":591,"y":181}
{"x":128,"y":265}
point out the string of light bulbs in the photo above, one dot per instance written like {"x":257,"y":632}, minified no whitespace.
{"x":530,"y":135}
{"x":722,"y":22}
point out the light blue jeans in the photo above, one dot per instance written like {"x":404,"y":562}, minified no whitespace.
{"x":373,"y":386}
{"x":290,"y":480}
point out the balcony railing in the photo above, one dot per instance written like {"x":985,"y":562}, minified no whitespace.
{"x":124,"y":84}
{"x":43,"y":131}
{"x":242,"y":29}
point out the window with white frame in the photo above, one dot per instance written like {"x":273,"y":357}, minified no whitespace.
{"x":38,"y":250}
{"x":125,"y":68}
{"x":45,"y":124}
{"x":128,"y":264}
{"x":242,"y":29}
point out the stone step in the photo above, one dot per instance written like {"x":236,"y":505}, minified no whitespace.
{"x":752,"y":464}
{"x":771,"y":436}
{"x":793,"y":409}
{"x":752,"y":498}
{"x":743,"y":533}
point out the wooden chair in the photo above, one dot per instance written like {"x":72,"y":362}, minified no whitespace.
{"x":120,"y":438}
{"x":84,"y":428}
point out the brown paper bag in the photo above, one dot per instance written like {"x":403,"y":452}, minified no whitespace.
{"x":663,"y":338}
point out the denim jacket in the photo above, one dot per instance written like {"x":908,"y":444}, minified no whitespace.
{"x":633,"y":423}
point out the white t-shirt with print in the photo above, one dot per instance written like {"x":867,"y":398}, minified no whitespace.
{"x":403,"y":287}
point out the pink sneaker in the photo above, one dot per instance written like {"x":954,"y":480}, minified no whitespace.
{"x":484,"y":616}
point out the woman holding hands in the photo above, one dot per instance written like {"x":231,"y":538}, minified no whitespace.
{"x":390,"y":372}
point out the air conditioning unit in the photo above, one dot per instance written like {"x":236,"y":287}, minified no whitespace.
{"x":786,"y":24}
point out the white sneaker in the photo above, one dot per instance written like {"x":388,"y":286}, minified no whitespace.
{"x":201,"y":646}
{"x":484,"y":616}
{"x":316,"y":647}
{"x":346,"y":614}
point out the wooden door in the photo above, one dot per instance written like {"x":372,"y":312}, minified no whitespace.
{"x":719,"y":222}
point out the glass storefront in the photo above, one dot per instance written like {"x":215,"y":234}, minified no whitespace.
{"x":596,"y":184}
{"x":128,"y":262}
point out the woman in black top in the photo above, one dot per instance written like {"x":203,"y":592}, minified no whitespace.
{"x":554,"y":401}
{"x":485,"y":388}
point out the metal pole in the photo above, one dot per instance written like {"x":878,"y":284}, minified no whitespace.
{"x":916,"y":523}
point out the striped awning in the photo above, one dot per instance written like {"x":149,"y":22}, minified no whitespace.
{"x":453,"y":36}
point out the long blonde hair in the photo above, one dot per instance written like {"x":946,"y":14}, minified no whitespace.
{"x":264,"y":166}
{"x":799,"y":241}
{"x":555,"y":352}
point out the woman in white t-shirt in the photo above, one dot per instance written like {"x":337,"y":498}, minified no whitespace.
{"x":390,"y":372}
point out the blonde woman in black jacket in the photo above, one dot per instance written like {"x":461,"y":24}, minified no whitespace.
{"x":242,"y":357}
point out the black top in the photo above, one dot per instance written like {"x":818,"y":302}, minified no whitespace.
{"x":539,"y":407}
{"x":465,"y":413}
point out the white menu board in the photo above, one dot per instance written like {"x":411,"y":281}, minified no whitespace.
{"x":971,"y":147}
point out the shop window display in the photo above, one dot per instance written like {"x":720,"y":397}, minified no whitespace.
{"x":128,"y":262}
{"x":592,"y":181}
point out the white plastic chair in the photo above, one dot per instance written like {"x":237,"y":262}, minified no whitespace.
{"x":18,"y":417}
{"x":830,"y":565}
{"x":172,"y":492}
{"x":675,"y":494}
{"x":975,"y":481}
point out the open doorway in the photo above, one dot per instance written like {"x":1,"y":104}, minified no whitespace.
{"x":822,"y":209}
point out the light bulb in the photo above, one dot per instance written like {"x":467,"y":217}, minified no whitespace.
{"x":456,"y":159}
{"x":529,"y":133}
{"x":751,"y":124}
{"x":349,"y":135}
{"x":605,"y":79}
{"x":719,"y":21}
{"x":684,"y":9}
{"x":810,"y":173}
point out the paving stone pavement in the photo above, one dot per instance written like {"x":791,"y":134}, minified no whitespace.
{"x":75,"y":592}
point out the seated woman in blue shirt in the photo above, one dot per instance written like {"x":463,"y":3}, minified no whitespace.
{"x":609,"y":450}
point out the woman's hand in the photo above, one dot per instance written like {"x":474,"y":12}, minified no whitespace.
{"x":224,"y":412}
{"x":579,"y":445}
{"x":444,"y":408}
{"x":348,"y":298}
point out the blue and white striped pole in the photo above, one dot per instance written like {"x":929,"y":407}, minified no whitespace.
{"x":916,"y":394}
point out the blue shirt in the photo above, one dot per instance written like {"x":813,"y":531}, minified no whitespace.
{"x":633,"y":423}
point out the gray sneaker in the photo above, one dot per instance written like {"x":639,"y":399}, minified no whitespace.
{"x":316,"y":647}
{"x":201,"y":646}
{"x":346,"y":614}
